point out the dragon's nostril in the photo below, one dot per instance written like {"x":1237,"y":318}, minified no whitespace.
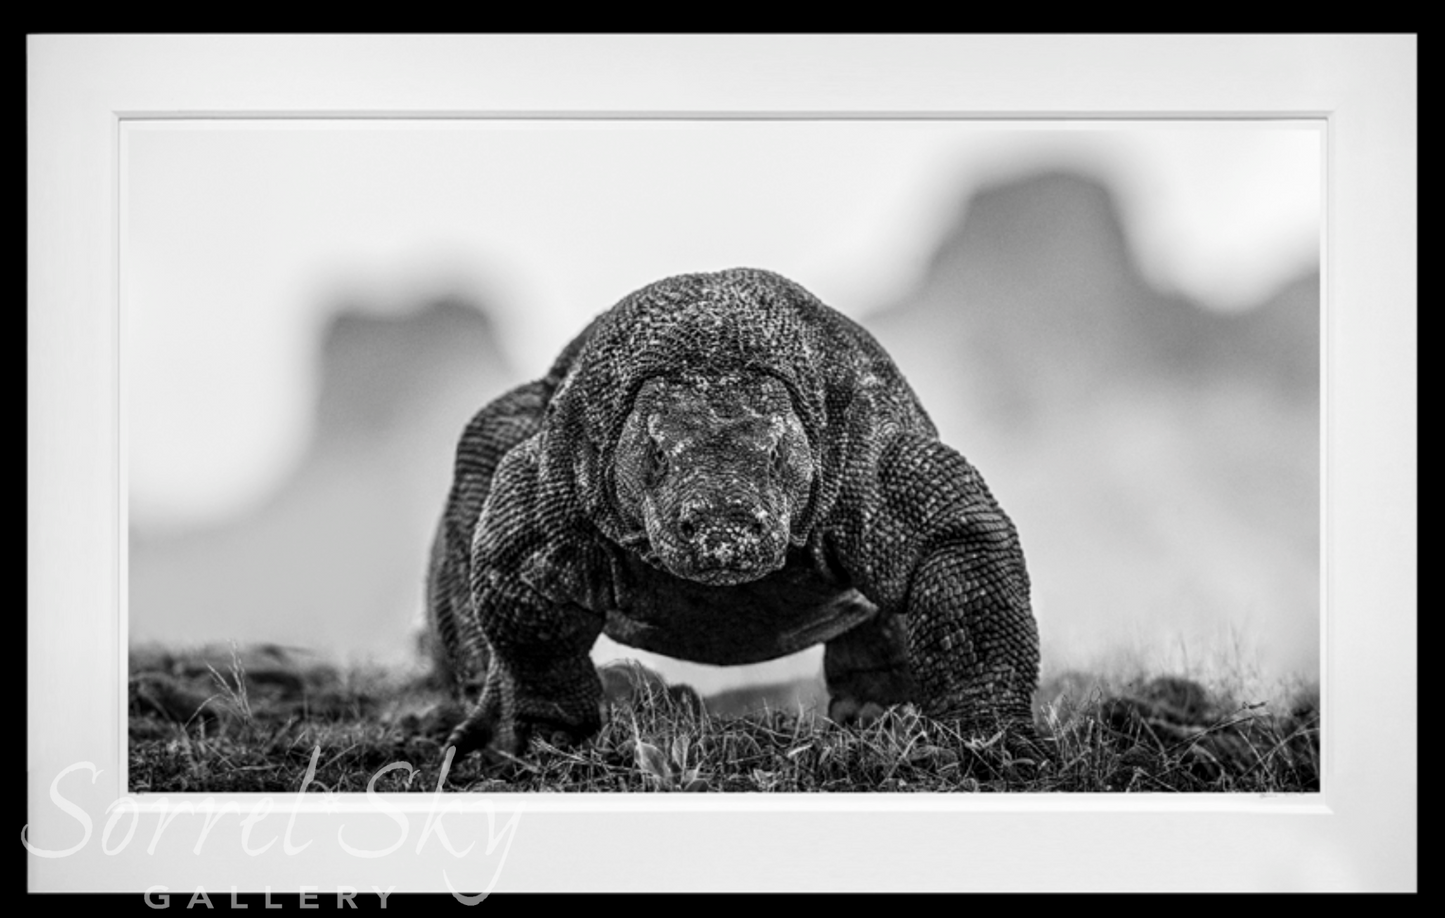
{"x":687,"y":529}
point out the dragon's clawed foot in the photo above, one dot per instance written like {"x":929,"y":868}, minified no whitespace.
{"x":852,"y":712}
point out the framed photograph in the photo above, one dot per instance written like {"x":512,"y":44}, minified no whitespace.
{"x":264,"y":308}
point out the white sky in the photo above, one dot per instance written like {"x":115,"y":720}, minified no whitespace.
{"x":239,"y":237}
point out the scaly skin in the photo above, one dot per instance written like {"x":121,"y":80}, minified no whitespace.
{"x":723,"y":469}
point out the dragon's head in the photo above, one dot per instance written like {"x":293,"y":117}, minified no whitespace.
{"x":716,"y":470}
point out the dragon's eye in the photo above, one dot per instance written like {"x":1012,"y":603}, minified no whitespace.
{"x":778,"y":460}
{"x":656,"y":462}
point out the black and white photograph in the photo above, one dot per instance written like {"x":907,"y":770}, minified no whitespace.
{"x":934,"y":456}
{"x":632,"y":450}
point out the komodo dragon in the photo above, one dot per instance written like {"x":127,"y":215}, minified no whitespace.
{"x":722,"y":469}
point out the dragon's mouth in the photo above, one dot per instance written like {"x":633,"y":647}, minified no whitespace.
{"x":725,"y":545}
{"x":727,"y":564}
{"x":718,"y":576}
{"x":684,"y":565}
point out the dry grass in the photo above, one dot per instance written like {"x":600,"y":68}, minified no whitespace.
{"x":251,"y":722}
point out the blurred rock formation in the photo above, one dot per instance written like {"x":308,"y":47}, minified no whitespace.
{"x":1160,"y":459}
{"x":335,"y":559}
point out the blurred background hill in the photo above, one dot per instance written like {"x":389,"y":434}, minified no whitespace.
{"x":1156,"y":444}
{"x":334,"y":559}
{"x":1160,"y":459}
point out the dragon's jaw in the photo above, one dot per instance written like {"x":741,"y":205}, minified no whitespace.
{"x":725,"y":548}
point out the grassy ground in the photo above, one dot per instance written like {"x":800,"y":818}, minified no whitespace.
{"x":251,"y":721}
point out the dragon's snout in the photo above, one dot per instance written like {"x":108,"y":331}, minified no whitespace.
{"x":728,"y":542}
{"x":724,"y":542}
{"x":700,"y":526}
